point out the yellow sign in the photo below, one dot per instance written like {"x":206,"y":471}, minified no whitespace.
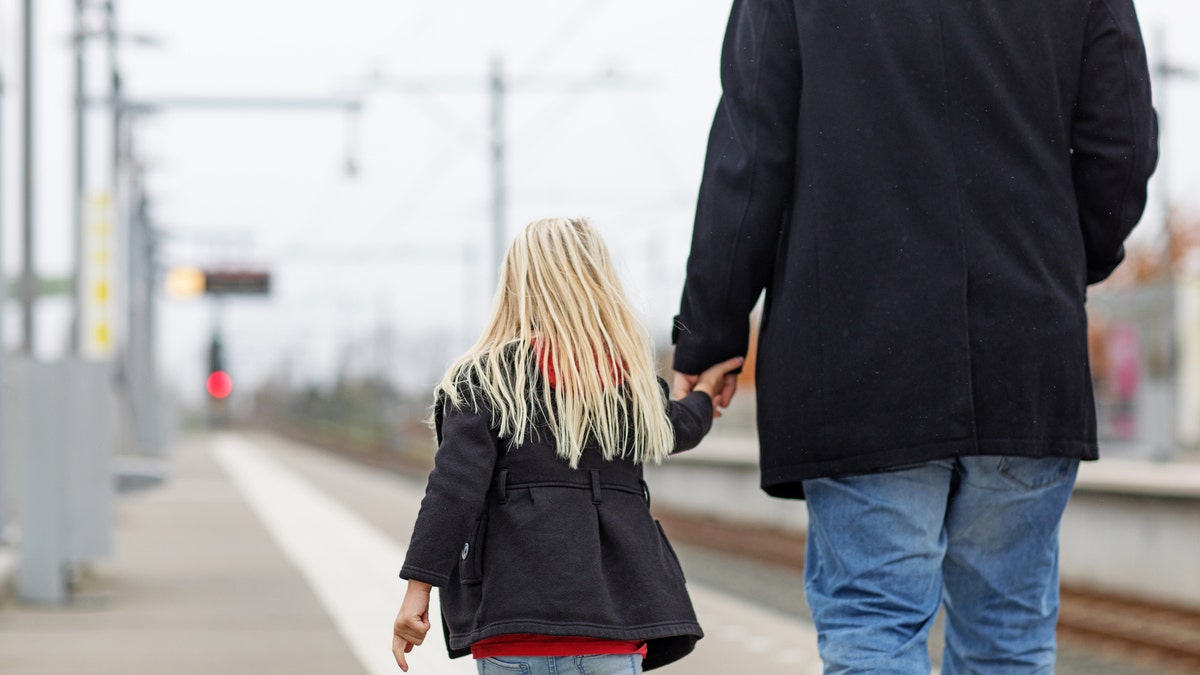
{"x":185,"y":282}
{"x":98,"y":310}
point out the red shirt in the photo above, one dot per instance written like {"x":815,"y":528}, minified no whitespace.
{"x":525,"y":644}
{"x":544,"y":354}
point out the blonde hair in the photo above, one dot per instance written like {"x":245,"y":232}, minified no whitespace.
{"x":560,"y":307}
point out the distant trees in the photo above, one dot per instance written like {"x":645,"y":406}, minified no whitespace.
{"x":1149,"y":262}
{"x":367,"y":417}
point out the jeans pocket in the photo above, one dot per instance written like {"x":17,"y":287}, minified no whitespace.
{"x":492,"y":664}
{"x":609,"y":664}
{"x":1035,"y":473}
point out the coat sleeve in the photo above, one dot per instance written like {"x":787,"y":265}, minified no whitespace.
{"x":455,"y":495}
{"x":746,"y":186}
{"x":691,"y":417}
{"x":1114,"y":138}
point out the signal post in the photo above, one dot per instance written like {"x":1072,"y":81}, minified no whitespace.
{"x":219,"y":284}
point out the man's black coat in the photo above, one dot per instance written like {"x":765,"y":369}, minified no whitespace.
{"x":924,"y":188}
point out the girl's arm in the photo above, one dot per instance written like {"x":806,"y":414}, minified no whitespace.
{"x":455,"y":495}
{"x":692,"y":415}
{"x":412,"y":621}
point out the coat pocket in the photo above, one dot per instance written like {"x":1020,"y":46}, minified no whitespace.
{"x":670,"y":550}
{"x":470,"y":565}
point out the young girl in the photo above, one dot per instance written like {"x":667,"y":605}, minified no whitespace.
{"x":535,"y":524}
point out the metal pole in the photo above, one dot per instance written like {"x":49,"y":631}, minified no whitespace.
{"x":110,"y":30}
{"x":5,"y":465}
{"x":497,"y":90}
{"x":1167,"y":71}
{"x":3,"y":275}
{"x":1163,"y":70}
{"x":120,"y":217}
{"x":77,"y":192}
{"x":28,"y":283}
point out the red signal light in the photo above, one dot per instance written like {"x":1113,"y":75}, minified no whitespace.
{"x":219,"y":384}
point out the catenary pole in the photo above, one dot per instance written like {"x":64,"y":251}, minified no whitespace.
{"x":28,"y":284}
{"x":499,"y":203}
{"x":4,"y":511}
{"x":80,"y":43}
{"x":3,"y":275}
{"x":498,"y":87}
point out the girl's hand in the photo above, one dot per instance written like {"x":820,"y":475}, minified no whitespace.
{"x":719,"y":383}
{"x":412,"y":621}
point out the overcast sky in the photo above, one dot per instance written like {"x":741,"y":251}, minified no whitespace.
{"x":607,"y":117}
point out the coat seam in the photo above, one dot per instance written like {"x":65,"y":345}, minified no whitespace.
{"x":1136,"y":145}
{"x":820,"y":321}
{"x":962,"y":236}
{"x":753,"y":163}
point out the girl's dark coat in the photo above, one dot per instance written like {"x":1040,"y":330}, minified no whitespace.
{"x":924,"y":190}
{"x":518,"y":542}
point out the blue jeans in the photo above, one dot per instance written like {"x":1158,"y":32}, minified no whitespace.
{"x":603,"y":664}
{"x":980,"y":534}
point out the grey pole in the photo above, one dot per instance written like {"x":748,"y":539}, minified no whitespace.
{"x":497,"y":91}
{"x":118,"y":117}
{"x":28,"y":289}
{"x":3,"y":276}
{"x":77,"y":192}
{"x":498,"y":88}
{"x":5,"y":469}
{"x":1163,"y":70}
{"x":110,"y":29}
{"x":1166,"y":72}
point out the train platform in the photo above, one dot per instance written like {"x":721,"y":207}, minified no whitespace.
{"x":260,"y":555}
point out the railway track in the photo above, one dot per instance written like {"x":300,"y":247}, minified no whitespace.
{"x":1151,"y":632}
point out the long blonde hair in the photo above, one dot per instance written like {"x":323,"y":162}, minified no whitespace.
{"x":560,"y":307}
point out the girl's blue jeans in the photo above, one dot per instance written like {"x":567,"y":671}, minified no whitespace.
{"x":979,"y":534}
{"x":605,"y":664}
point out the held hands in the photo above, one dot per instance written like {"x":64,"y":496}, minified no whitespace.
{"x":412,"y":621}
{"x":717,"y":381}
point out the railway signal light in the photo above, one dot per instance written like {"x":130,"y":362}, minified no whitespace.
{"x":219,"y":384}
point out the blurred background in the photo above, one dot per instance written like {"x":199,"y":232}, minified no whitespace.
{"x":279,"y":221}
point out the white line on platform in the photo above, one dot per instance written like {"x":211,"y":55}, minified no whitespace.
{"x":350,"y":565}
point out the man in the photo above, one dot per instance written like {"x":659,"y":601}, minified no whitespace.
{"x":924,"y":189}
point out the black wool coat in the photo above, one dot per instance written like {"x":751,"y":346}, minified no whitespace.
{"x":518,"y":542}
{"x":924,"y":189}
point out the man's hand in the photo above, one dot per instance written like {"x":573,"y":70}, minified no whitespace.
{"x":716,"y":381}
{"x":412,"y":621}
{"x":723,"y":397}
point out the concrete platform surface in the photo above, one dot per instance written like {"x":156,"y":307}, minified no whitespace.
{"x":264,"y":556}
{"x":261,"y":555}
